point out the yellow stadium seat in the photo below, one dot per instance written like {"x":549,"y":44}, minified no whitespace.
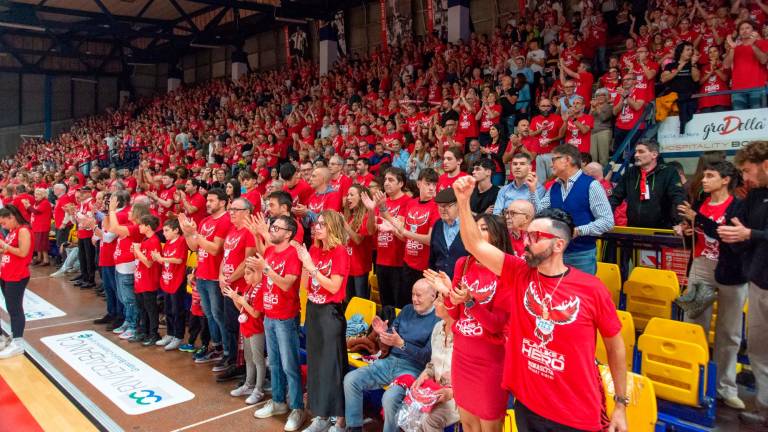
{"x":642,"y":412}
{"x":397,"y":311}
{"x":303,"y":304}
{"x":650,"y":293}
{"x":509,"y":421}
{"x":192,"y":259}
{"x":711,"y":335}
{"x":372,"y":281}
{"x":674,"y":354}
{"x":610,"y":275}
{"x":362,"y":306}
{"x":627,"y":333}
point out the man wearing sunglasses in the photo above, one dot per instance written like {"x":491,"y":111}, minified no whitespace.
{"x":556,"y":310}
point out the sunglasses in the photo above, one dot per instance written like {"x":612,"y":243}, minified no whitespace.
{"x":535,"y":236}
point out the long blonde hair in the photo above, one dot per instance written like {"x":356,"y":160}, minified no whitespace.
{"x":355,"y":216}
{"x":334,"y":227}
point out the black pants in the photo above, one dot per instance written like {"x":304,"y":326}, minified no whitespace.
{"x":409,"y":277}
{"x":357,"y":286}
{"x":175,"y":311}
{"x":87,"y":255}
{"x":231,"y":328}
{"x":198,"y":325}
{"x":326,"y":358}
{"x":528,"y":421}
{"x":389,"y":280}
{"x":14,"y":297}
{"x":148,"y":313}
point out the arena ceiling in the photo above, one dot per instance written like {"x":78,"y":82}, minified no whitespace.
{"x":97,"y":37}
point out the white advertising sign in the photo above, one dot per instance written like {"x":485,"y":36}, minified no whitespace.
{"x":128,"y":382}
{"x":727,"y":130}
{"x":35,"y":307}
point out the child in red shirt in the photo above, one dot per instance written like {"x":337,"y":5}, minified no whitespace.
{"x":198,"y":325}
{"x":172,"y":261}
{"x":146,"y":281}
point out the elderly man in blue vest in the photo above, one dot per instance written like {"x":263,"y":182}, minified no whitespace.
{"x":585,"y":200}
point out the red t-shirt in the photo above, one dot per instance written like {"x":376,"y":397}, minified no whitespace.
{"x":467,"y":125}
{"x":420,"y":217}
{"x":210,"y":228}
{"x":361,"y":264}
{"x":341,"y":185}
{"x":711,"y":85}
{"x":18,"y":201}
{"x":389,"y":247}
{"x":707,"y":246}
{"x":550,"y":353}
{"x":235,"y":244}
{"x":364,"y":180}
{"x":573,"y":135}
{"x":486,"y":320}
{"x":123,"y":252}
{"x":41,"y":212}
{"x":147,"y":279}
{"x":279,"y":304}
{"x":58,"y":209}
{"x":747,"y":71}
{"x":550,"y":128}
{"x":300,"y":193}
{"x":254,"y":197}
{"x":445,"y":181}
{"x":629,"y":116}
{"x":12,"y":267}
{"x":645,"y":85}
{"x":485,"y":121}
{"x":197,"y":201}
{"x":326,"y":201}
{"x":328,"y":262}
{"x":253,"y":326}
{"x":173,"y":276}
{"x":162,"y":211}
{"x":85,"y":209}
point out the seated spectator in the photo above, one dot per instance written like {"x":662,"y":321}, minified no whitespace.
{"x":409,"y":337}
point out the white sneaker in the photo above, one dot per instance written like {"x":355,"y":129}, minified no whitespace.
{"x":123,"y":327}
{"x":319,"y":424}
{"x":127,"y":334}
{"x":243,"y":390}
{"x":734,"y":402}
{"x":164,"y":341}
{"x":296,"y":418}
{"x":58,"y":273}
{"x":4,"y":341}
{"x":271,"y":408}
{"x":13,"y":349}
{"x":255,"y":397}
{"x":175,"y":343}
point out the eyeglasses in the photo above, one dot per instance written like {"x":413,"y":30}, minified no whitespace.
{"x":535,"y":236}
{"x":554,"y":158}
{"x":275,"y":228}
{"x":513,"y":213}
{"x":235,"y":209}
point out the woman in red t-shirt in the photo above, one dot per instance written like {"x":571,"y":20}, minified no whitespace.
{"x":714,"y":78}
{"x":360,"y":244}
{"x":326,"y":267}
{"x":480,"y":316}
{"x":173,"y":262}
{"x":16,"y":254}
{"x":41,"y":213}
{"x":251,"y":307}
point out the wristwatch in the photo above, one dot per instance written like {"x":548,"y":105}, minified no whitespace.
{"x":266,"y":270}
{"x":624,"y":400}
{"x":469,"y":303}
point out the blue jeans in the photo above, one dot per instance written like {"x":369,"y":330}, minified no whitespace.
{"x":747,"y":100}
{"x":128,"y":298}
{"x":213,"y":307}
{"x":585,"y":261}
{"x":380,"y":373}
{"x":510,"y":124}
{"x":283,"y":348}
{"x":114,"y":306}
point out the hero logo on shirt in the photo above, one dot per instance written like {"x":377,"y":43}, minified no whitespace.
{"x":548,"y":316}
{"x":316,"y":206}
{"x":314,"y":296}
{"x":271,"y":299}
{"x":415,"y":220}
{"x":230,"y":244}
{"x":468,"y":325}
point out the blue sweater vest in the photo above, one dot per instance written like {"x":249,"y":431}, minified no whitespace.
{"x":576,"y":204}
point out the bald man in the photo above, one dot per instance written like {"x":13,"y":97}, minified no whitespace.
{"x":409,"y":337}
{"x":518,"y":215}
{"x":324,"y":197}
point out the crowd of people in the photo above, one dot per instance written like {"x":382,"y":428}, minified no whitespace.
{"x":468,"y":177}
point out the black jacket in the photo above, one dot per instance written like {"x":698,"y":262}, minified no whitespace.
{"x":754,"y":215}
{"x":660,"y":210}
{"x":728,"y":270}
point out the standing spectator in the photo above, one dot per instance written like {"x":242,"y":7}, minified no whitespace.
{"x":602,"y":133}
{"x":146,"y":282}
{"x":682,"y":77}
{"x":628,"y":107}
{"x":652,"y":190}
{"x":445,"y":246}
{"x":484,"y":195}
{"x":749,"y":234}
{"x":577,"y":126}
{"x":523,"y":184}
{"x":325,"y":272}
{"x":714,"y":79}
{"x":508,"y":98}
{"x":546,"y":128}
{"x":488,"y":115}
{"x":452,"y":161}
{"x":41,"y":213}
{"x":747,"y":56}
{"x":173,"y":283}
{"x":86,"y":249}
{"x":16,"y":250}
{"x":585,"y":201}
{"x":63,"y":200}
{"x":360,"y":224}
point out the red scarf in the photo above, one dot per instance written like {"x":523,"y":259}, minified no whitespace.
{"x":644,"y":193}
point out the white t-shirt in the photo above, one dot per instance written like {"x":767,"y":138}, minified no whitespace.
{"x":536,"y":55}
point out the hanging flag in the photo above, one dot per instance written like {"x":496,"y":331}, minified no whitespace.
{"x":430,"y":17}
{"x":383,"y":14}
{"x":287,"y":38}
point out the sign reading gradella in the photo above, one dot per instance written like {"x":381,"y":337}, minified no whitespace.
{"x":727,"y":130}
{"x":128,"y":382}
{"x":35,"y":307}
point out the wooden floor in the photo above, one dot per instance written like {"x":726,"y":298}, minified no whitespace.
{"x":212,"y":408}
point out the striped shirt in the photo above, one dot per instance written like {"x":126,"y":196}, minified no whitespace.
{"x":598,"y":204}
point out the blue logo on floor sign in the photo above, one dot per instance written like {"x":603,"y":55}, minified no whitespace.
{"x":148,"y":398}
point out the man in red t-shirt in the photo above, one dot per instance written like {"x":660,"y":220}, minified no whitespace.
{"x":299,"y":189}
{"x":192,"y":202}
{"x":339,"y":181}
{"x":324,"y":197}
{"x":577,"y":126}
{"x":252,"y":194}
{"x":452,"y":159}
{"x":555,"y":313}
{"x":546,"y":128}
{"x":364,"y":177}
{"x":207,"y":239}
{"x":414,"y":226}
{"x":628,"y":107}
{"x":165,"y":198}
{"x":747,"y":56}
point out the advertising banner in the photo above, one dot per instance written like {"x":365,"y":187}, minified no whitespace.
{"x":727,"y":130}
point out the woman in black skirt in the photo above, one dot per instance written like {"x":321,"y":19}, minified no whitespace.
{"x":326,"y":266}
